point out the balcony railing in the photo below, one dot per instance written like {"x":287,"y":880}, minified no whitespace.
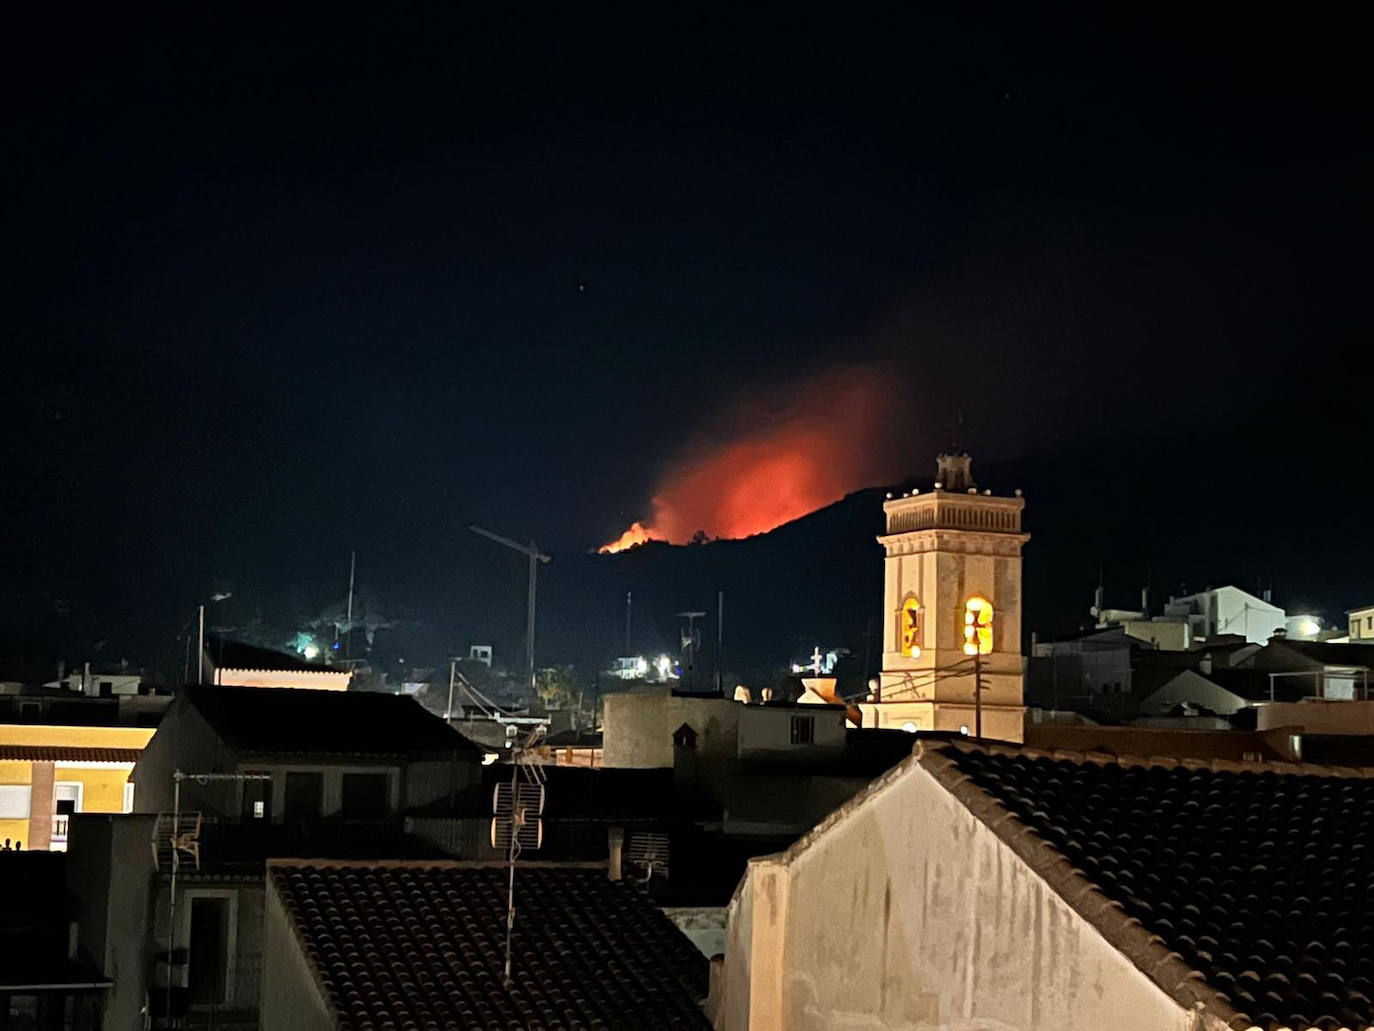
{"x":60,"y":824}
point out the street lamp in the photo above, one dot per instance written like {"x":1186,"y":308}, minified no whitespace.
{"x":200,"y":658}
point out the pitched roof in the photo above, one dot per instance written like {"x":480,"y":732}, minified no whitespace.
{"x":423,"y":946}
{"x":227,"y":654}
{"x":1254,"y":883}
{"x":67,"y":753}
{"x":275,"y":720}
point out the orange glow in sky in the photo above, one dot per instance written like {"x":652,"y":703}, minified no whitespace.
{"x":777,"y":463}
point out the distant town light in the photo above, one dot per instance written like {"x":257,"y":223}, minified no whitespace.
{"x":909,"y":727}
{"x":312,"y":650}
{"x":490,"y":757}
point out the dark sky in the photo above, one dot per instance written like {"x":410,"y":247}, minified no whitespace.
{"x":284,"y":285}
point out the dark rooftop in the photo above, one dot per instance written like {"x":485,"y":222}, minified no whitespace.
{"x":1258,"y":880}
{"x":243,"y":848}
{"x":423,"y":946}
{"x":227,"y":654}
{"x":277,"y":720}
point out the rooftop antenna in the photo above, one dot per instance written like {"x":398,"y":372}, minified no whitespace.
{"x":516,"y":810}
{"x":691,"y":643}
{"x":536,"y":556}
{"x":177,"y":833}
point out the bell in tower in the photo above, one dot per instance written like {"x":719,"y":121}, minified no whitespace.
{"x":952,"y":657}
{"x":954,"y":470}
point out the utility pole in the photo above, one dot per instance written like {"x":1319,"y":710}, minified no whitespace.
{"x":720,"y":643}
{"x":536,"y":556}
{"x":452,"y":674}
{"x":629,"y":601}
{"x":348,"y":620}
{"x":978,"y":624}
{"x":978,"y":695}
{"x":200,"y":655}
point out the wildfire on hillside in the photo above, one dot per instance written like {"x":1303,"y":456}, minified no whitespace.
{"x":777,"y":464}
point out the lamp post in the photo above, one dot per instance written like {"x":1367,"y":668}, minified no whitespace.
{"x":200,"y":637}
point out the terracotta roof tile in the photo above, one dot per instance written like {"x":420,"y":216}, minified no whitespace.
{"x":67,"y":753}
{"x":1259,"y":880}
{"x":418,"y":947}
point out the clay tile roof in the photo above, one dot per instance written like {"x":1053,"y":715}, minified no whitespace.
{"x":67,"y":753}
{"x":1258,"y":880}
{"x":422,"y":946}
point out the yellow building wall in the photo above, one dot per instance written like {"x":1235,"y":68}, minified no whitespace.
{"x":75,"y":737}
{"x":12,"y":772}
{"x":102,"y":788}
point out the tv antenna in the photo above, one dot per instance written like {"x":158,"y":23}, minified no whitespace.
{"x":517,"y":808}
{"x":691,"y":643}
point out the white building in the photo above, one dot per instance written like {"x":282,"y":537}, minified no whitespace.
{"x":1014,"y":889}
{"x":1227,"y":610}
{"x":1361,"y":622}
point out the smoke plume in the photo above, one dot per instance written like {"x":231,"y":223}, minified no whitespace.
{"x":776,"y":458}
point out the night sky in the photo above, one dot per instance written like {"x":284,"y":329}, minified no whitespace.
{"x":284,"y":286}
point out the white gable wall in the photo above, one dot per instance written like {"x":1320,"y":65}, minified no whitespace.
{"x":907,"y":912}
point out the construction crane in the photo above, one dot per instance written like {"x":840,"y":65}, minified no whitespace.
{"x":536,"y":556}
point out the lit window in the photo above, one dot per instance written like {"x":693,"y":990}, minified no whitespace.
{"x":910,"y":628}
{"x":977,"y":626}
{"x":259,"y":809}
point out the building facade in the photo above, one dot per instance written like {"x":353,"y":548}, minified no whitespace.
{"x":952,"y":601}
{"x":50,"y":773}
{"x":1361,"y":623}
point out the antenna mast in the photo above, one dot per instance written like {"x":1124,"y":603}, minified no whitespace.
{"x":516,"y":811}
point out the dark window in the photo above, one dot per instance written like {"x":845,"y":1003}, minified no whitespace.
{"x":107,"y":689}
{"x":364,"y":796}
{"x":208,"y":961}
{"x":257,"y":799}
{"x":303,"y":794}
{"x":803,"y":730}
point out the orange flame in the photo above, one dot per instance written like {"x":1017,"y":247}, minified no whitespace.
{"x":780,"y":462}
{"x":636,"y":534}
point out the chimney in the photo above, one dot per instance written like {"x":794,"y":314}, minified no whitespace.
{"x":616,"y":840}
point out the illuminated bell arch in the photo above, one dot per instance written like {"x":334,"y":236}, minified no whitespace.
{"x":977,"y":626}
{"x":909,"y":627}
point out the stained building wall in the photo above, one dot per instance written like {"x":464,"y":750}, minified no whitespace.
{"x":903,"y":910}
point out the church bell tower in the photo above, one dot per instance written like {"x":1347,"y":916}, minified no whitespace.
{"x":952,"y":610}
